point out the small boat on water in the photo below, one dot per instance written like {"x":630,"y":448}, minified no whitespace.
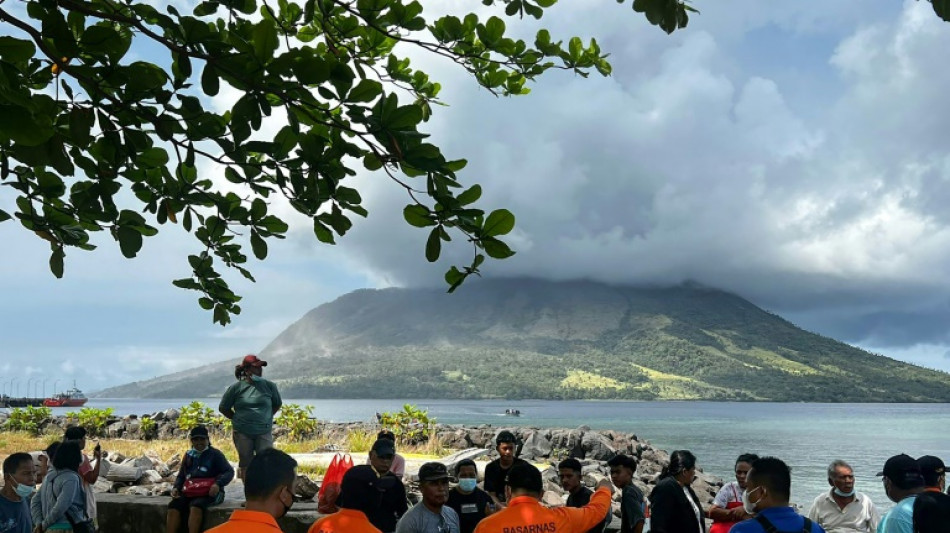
{"x":71,"y":398}
{"x":512,"y":412}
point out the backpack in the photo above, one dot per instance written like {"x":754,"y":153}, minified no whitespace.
{"x":931,"y":512}
{"x":770,"y":528}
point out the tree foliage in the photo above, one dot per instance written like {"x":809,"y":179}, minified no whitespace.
{"x":108,"y":121}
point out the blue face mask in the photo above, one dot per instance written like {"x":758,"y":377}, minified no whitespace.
{"x":255,"y":377}
{"x":467,"y":484}
{"x":23,"y":490}
{"x":843,"y":494}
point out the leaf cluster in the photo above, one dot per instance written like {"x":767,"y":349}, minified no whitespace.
{"x":411,"y":425}
{"x":96,"y":136}
{"x":29,"y":419}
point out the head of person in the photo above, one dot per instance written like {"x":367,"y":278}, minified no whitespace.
{"x":743,"y":465}
{"x":769,"y":484}
{"x":622,"y":468}
{"x":467,"y":473}
{"x":76,"y":433}
{"x":682,"y":467}
{"x":934,"y":472}
{"x":269,"y":482}
{"x":524,"y":479}
{"x":40,"y":465}
{"x":51,"y":453}
{"x":902,"y":477}
{"x":199,"y":438}
{"x":434,"y":484}
{"x":68,"y":456}
{"x":360,"y":490}
{"x":569,"y":471}
{"x":381,"y":455}
{"x":505,"y":445}
{"x":386,"y":434}
{"x":251,"y":367}
{"x":841,"y":478}
{"x":19,"y":474}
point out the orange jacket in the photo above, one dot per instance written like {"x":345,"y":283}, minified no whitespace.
{"x":525,"y":514}
{"x":248,"y":522}
{"x":344,"y":521}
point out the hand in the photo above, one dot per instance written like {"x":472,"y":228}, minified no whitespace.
{"x":607,"y":484}
{"x":97,"y":453}
{"x":739,"y":514}
{"x":214,"y":490}
{"x":177,"y":493}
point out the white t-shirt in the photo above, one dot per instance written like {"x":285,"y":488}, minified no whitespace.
{"x":729,"y":493}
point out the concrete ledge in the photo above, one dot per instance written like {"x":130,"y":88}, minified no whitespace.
{"x":121,"y":513}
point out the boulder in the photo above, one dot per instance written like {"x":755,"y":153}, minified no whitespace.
{"x":150,"y":477}
{"x":103,"y":485}
{"x":597,"y":446}
{"x":550,"y":474}
{"x":124,"y":472}
{"x":162,"y":489}
{"x":536,"y":446}
{"x":305,"y":489}
{"x":115,"y":430}
{"x":552,"y":499}
{"x":457,"y":457}
{"x":171,"y":414}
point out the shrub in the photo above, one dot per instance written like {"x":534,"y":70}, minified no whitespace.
{"x":28,"y":419}
{"x":148,"y":427}
{"x":199,"y":414}
{"x":411,"y":425}
{"x":94,"y":420}
{"x":297,"y":420}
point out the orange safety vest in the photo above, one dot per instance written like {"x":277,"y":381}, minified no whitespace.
{"x":344,"y":521}
{"x":525,"y":514}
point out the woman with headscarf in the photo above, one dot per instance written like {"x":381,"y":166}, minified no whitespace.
{"x":675,"y":507}
{"x":251,"y":403}
{"x":61,"y":503}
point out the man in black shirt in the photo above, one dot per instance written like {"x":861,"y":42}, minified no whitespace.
{"x":497,"y":470}
{"x":392,"y":493}
{"x":632,"y":508}
{"x":470,"y":502}
{"x":570,"y":470}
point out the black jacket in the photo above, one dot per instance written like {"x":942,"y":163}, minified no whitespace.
{"x":211,"y":463}
{"x":671,"y":512}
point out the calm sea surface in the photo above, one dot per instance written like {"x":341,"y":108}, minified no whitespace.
{"x":806,"y":436}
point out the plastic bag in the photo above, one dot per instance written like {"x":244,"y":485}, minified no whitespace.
{"x":330,"y":488}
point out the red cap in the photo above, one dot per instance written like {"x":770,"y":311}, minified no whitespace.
{"x":252,"y":360}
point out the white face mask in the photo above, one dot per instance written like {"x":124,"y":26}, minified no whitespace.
{"x":747,"y":505}
{"x":843,"y":494}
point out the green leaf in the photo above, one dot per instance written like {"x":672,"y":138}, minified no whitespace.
{"x":152,"y":158}
{"x":130,"y":241}
{"x":365,"y":91}
{"x":81,"y":120}
{"x":4,"y":216}
{"x":499,"y":222}
{"x":22,"y":127}
{"x":259,"y":246}
{"x":265,"y":40}
{"x":16,"y":50}
{"x":371,"y":162}
{"x":433,"y":245}
{"x":418,"y":216}
{"x":942,"y":9}
{"x":322,"y":232}
{"x":496,"y":249}
{"x":471,"y":195}
{"x":56,"y":261}
{"x":210,"y":83}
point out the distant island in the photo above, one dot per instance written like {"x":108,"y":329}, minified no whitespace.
{"x":527,"y":338}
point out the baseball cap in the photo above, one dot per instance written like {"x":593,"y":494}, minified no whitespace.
{"x":931,"y":468}
{"x":198,"y":431}
{"x":903,"y":471}
{"x":434,"y":471}
{"x":252,"y":360}
{"x":384,"y":447}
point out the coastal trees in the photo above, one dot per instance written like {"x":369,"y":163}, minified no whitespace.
{"x":113,"y":119}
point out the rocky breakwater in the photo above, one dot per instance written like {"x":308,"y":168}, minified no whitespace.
{"x":149,"y":474}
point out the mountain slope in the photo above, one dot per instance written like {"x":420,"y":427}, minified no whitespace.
{"x":524,"y":338}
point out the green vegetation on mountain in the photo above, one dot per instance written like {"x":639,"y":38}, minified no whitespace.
{"x":527,"y":338}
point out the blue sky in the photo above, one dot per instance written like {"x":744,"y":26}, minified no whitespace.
{"x":794,"y":153}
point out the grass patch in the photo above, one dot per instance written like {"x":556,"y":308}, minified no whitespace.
{"x":579,"y":379}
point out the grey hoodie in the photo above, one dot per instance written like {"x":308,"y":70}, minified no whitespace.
{"x":60,"y":494}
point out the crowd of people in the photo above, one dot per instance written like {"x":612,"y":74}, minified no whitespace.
{"x":373,"y":498}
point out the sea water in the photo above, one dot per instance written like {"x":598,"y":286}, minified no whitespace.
{"x":807,"y":436}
